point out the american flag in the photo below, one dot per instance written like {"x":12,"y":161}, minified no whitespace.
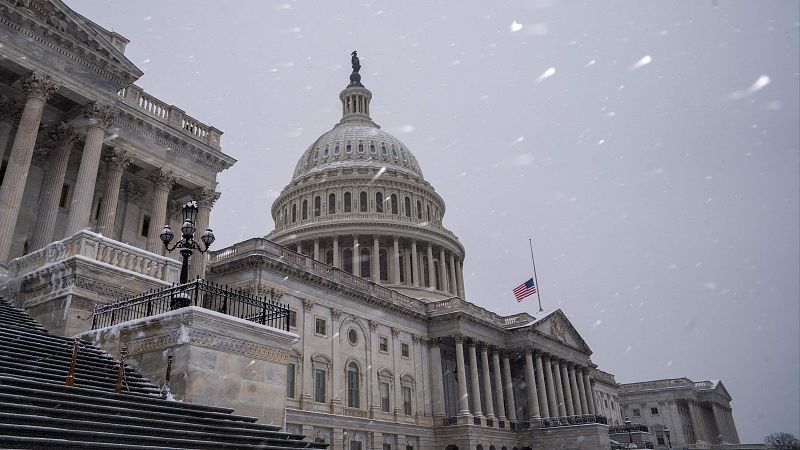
{"x":525,"y":289}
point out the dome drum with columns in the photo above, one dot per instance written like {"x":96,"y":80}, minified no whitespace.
{"x":358,"y":201}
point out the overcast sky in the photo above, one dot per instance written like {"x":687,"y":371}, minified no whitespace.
{"x":650,"y":149}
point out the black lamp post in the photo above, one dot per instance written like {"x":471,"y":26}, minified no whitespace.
{"x":666,"y":433}
{"x":187,"y":243}
{"x":628,"y":427}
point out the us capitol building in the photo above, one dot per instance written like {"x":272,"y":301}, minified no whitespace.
{"x":382,"y":348}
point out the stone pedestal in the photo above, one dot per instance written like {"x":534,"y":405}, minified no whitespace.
{"x":219,"y":360}
{"x":579,"y":437}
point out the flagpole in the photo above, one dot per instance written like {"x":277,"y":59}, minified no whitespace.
{"x":536,"y":280}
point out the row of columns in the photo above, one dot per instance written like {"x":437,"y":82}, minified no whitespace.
{"x":450,"y":267}
{"x":556,"y":387}
{"x":38,"y":87}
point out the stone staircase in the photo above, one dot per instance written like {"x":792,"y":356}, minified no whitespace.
{"x":38,"y":411}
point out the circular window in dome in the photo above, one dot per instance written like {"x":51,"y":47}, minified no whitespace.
{"x":336,"y":150}
{"x":352,"y":336}
{"x":372,"y":149}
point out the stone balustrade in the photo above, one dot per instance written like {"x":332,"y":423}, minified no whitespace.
{"x":93,"y":246}
{"x":170,"y":115}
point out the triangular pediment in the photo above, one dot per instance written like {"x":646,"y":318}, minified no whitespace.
{"x":557,"y":326}
{"x":56,"y":22}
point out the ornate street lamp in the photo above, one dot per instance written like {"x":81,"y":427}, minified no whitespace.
{"x":666,"y":433}
{"x":187,"y":243}
{"x":628,"y":427}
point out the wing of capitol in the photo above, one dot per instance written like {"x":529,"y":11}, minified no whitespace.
{"x":346,"y":327}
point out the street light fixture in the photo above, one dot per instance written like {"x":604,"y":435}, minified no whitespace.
{"x":666,"y":433}
{"x":187,"y":243}
{"x":628,"y":427}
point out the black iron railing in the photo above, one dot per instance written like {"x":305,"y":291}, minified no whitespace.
{"x":637,"y":427}
{"x":501,"y":424}
{"x":449,"y":421}
{"x":233,"y":302}
{"x":489,"y":422}
{"x":476,"y":420}
{"x":566,"y":421}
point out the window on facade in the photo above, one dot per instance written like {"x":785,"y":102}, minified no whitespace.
{"x":387,"y":446}
{"x":636,"y":412}
{"x":332,"y":204}
{"x":355,"y":445}
{"x":409,"y":447}
{"x":317,"y":206}
{"x":419,"y":210}
{"x":362,"y":202}
{"x":384,"y":265}
{"x":654,"y":411}
{"x":347,"y":263}
{"x":304,"y":214}
{"x":408,"y":207}
{"x":372,"y":149}
{"x":404,"y":350}
{"x":349,"y":148}
{"x":292,"y":318}
{"x":378,"y":202}
{"x":294,"y":212}
{"x":402,"y":269}
{"x":407,"y":400}
{"x":352,"y":336}
{"x":352,"y":386}
{"x":319,"y":385}
{"x":425,"y":271}
{"x":366,"y":271}
{"x":325,"y":153}
{"x":436,"y":275}
{"x":384,"y":392}
{"x":428,"y":207}
{"x":290,"y":380}
{"x":329,"y":257}
{"x":145,"y":225}
{"x":660,"y":437}
{"x":360,"y":148}
{"x":320,"y":326}
{"x":383,"y":344}
{"x":348,"y":200}
{"x":393,"y":202}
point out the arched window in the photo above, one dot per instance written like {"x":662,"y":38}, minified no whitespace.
{"x":419,"y":210}
{"x":360,"y":148}
{"x":304,"y":215}
{"x":347,"y":260}
{"x":294,"y":212}
{"x":378,"y":202}
{"x":393,"y":203}
{"x":348,"y":149}
{"x":384,"y":265}
{"x":428,"y":207}
{"x":353,"y":391}
{"x":332,"y":204}
{"x":348,"y":200}
{"x":365,"y":263}
{"x":408,"y":207}
{"x":362,"y":202}
{"x":317,"y":206}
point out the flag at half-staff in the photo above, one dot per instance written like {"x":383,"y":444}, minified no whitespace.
{"x":525,"y":289}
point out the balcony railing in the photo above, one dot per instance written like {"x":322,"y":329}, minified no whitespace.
{"x":201,"y":293}
{"x":637,"y":427}
{"x":92,"y":246}
{"x":449,"y":421}
{"x":566,"y":421}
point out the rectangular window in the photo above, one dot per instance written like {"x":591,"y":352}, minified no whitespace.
{"x":660,"y":438}
{"x":407,"y":400}
{"x":387,"y":446}
{"x":320,"y":327}
{"x":654,"y":411}
{"x":383,"y":344}
{"x":409,"y":447}
{"x":290,"y":381}
{"x":292,"y":318}
{"x":384,"y":388}
{"x":355,"y":445}
{"x":64,"y":198}
{"x":636,"y":412}
{"x":319,"y":386}
{"x":404,"y":350}
{"x":145,"y":225}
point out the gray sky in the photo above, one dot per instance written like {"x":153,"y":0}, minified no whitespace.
{"x":650,"y":149}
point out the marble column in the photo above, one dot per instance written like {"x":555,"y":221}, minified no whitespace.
{"x":533,"y":393}
{"x":437,"y":380}
{"x":356,"y":257}
{"x":396,"y":261}
{"x":587,"y":384}
{"x":509,"y":383}
{"x":552,"y":401}
{"x":443,"y":284}
{"x":163,"y":180}
{"x":487,"y":382}
{"x":116,"y":163}
{"x":64,"y":138}
{"x":463,"y":397}
{"x":206,"y":197}
{"x":9,"y":116}
{"x":316,"y":249}
{"x":567,"y":391}
{"x":562,"y":404}
{"x":498,"y":386}
{"x":431,"y":269}
{"x":99,"y":118}
{"x":376,"y":261}
{"x":452,"y":282}
{"x":694,"y":418}
{"x":37,"y":87}
{"x":545,"y":406}
{"x":336,"y":255}
{"x":573,"y":388}
{"x":414,"y":263}
{"x":299,"y":248}
{"x":473,"y":372}
{"x":460,"y":277}
{"x":582,"y":391}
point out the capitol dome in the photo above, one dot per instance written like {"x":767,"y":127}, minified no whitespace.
{"x":358,"y":201}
